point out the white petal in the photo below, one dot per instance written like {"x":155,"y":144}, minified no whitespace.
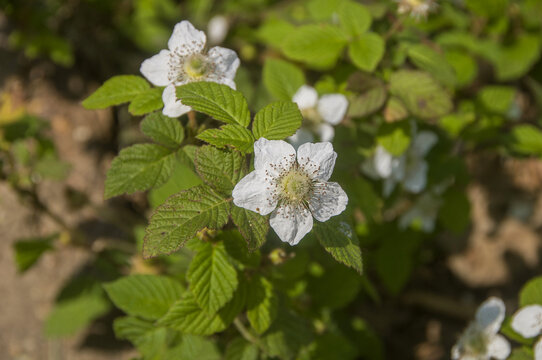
{"x":415,"y":178}
{"x":156,"y":68}
{"x":326,"y":132}
{"x":290,"y":224}
{"x":317,"y":159}
{"x":228,"y":82}
{"x":272,"y":155}
{"x":252,"y":193}
{"x":305,"y":97}
{"x":498,"y":348}
{"x":490,"y":315}
{"x":217,"y":29}
{"x":332,"y":108}
{"x":528,"y":321}
{"x":328,"y":200}
{"x":300,"y":137}
{"x":538,"y":350}
{"x":186,"y":39}
{"x":226,"y":62}
{"x":383,"y":162}
{"x":423,"y":142}
{"x":172,"y":106}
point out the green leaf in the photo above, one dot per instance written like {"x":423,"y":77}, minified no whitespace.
{"x":251,"y":225}
{"x":433,"y":62}
{"x":79,"y":303}
{"x":148,"y":296}
{"x":319,"y":46}
{"x":220,"y":169}
{"x":339,"y":240}
{"x":186,"y":316}
{"x":394,"y":137}
{"x":262,"y":304}
{"x":117,"y":90}
{"x":497,"y":99}
{"x":464,"y":65}
{"x":150,"y":341}
{"x":366,"y":51}
{"x":277,"y":121}
{"x":181,"y":179}
{"x":213,"y":279}
{"x":194,"y":347}
{"x":237,"y":248}
{"x":273,"y":31}
{"x":181,"y":217}
{"x":531,"y":293}
{"x":28,"y":251}
{"x":514,"y":61}
{"x":138,"y":168}
{"x":368,"y":102}
{"x":146,"y":102}
{"x":230,"y":135}
{"x":282,"y":79}
{"x":216,"y":100}
{"x":455,"y":211}
{"x":521,"y":354}
{"x":421,"y":94}
{"x":322,"y":9}
{"x":162,"y":129}
{"x":355,"y":19}
{"x":288,"y":334}
{"x":240,"y":349}
{"x":527,"y":140}
{"x":336,"y":288}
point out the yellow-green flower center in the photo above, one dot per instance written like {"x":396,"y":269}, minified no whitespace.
{"x":296,"y":186}
{"x":196,"y":66}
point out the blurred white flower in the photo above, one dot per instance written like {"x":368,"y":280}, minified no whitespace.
{"x":528,"y":323}
{"x":319,"y":114}
{"x":217,"y":29}
{"x":424,"y":210}
{"x":186,"y":61}
{"x":294,"y":189}
{"x":481,"y":341}
{"x":409,"y":169}
{"x":416,"y":8}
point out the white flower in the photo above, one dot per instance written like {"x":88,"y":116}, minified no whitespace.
{"x":217,"y":29}
{"x":294,"y":189}
{"x":186,"y":61}
{"x":416,"y":8}
{"x":409,"y":169}
{"x":480,"y":340}
{"x":528,"y":323}
{"x":320,"y":114}
{"x":425,"y":210}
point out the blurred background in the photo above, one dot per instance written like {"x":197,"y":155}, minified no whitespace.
{"x":54,"y":155}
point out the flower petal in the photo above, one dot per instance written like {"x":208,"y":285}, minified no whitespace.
{"x":328,"y":200}
{"x":186,"y":39}
{"x":172,"y":106}
{"x":423,"y":142}
{"x":415,"y":177}
{"x":528,"y":321}
{"x":291,"y":224}
{"x":326,"y":132}
{"x":253,"y":193}
{"x":498,"y":348}
{"x":273,"y":155}
{"x":383,"y":162}
{"x":226,"y":63}
{"x":317,"y":159}
{"x":156,"y":68}
{"x":538,"y":350}
{"x":332,"y":108}
{"x":217,"y":29}
{"x":490,"y":315}
{"x":305,"y":97}
{"x":300,"y":137}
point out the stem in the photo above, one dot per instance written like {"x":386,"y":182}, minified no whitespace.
{"x":248,"y":335}
{"x":192,"y":120}
{"x":397,"y":24}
